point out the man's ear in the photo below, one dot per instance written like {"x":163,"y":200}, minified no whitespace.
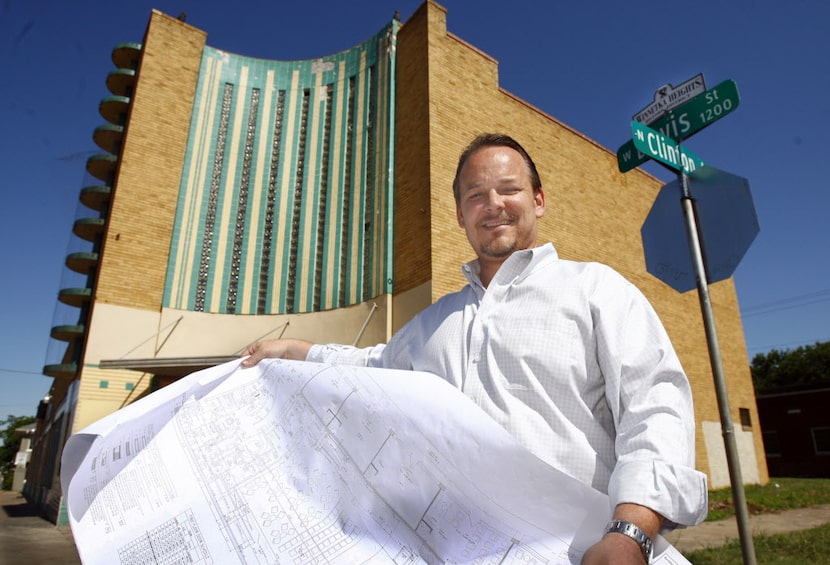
{"x":459,"y":216}
{"x":539,"y":198}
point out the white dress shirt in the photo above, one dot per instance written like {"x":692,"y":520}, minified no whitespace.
{"x":573,"y":361}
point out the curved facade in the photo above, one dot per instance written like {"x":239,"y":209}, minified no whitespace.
{"x":286,"y":192}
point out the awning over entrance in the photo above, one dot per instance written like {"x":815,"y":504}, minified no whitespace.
{"x":167,"y":366}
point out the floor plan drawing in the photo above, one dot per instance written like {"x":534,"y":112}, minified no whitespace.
{"x":304,"y":463}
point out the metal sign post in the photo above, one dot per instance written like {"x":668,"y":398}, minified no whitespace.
{"x":727,"y":428}
{"x":657,"y":141}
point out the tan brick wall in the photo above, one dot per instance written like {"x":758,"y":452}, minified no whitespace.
{"x":134,"y":265}
{"x":594,"y":212}
{"x":412,"y":265}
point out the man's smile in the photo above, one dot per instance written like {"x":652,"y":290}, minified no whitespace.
{"x":495,"y":223}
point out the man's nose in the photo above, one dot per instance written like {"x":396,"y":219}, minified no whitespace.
{"x":494,"y":200}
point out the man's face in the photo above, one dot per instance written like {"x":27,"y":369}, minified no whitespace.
{"x":497,"y":205}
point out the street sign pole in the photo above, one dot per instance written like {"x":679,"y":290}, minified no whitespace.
{"x":657,"y":141}
{"x":727,"y":428}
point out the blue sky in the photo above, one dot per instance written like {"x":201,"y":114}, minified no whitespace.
{"x":592,"y":65}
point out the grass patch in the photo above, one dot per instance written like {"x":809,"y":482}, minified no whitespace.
{"x":778,"y":494}
{"x":795,"y":548}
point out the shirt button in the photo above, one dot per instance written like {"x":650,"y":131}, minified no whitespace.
{"x":476,"y":359}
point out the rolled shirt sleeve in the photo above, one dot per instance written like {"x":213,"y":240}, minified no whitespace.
{"x":650,"y":398}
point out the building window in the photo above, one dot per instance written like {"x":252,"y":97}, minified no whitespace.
{"x":746,"y":418}
{"x":821,"y":440}
{"x":103,"y":384}
{"x":242,"y":203}
{"x":772,"y":446}
{"x":213,"y":201}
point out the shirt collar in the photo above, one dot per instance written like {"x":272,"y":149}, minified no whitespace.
{"x":516,"y":267}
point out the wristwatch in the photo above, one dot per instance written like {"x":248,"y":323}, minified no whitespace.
{"x":631,"y":530}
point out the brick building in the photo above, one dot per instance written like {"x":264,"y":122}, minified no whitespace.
{"x":796,"y":431}
{"x":240,"y":198}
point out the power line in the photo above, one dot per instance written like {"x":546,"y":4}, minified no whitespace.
{"x":2,"y":370}
{"x":787,"y":303}
{"x":779,"y":346}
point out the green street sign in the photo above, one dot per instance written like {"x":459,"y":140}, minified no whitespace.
{"x":629,"y":157}
{"x":657,"y":146}
{"x":685,"y":120}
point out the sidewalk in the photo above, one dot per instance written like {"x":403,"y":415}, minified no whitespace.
{"x":714,"y":534}
{"x":28,"y":539}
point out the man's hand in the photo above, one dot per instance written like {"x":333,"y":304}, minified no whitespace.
{"x":295,"y":349}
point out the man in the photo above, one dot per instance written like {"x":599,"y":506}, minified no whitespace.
{"x":569,"y":357}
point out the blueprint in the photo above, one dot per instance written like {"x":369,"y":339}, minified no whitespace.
{"x":293,"y":462}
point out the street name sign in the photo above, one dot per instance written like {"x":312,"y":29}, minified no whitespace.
{"x":664,"y":149}
{"x":685,"y":120}
{"x":667,"y":97}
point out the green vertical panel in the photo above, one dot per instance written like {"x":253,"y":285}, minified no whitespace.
{"x":322,"y":181}
{"x":356,"y":209}
{"x":246,"y":192}
{"x":309,"y":195}
{"x":389,"y":104}
{"x":385,"y":149}
{"x":258,"y":196}
{"x":365,"y":203}
{"x":204,"y":275}
{"x":275,"y":286}
{"x":381,"y":176}
{"x":285,"y":190}
{"x":371,"y":217}
{"x":210,"y":187}
{"x":229,"y":191}
{"x":188,"y":237}
{"x":316,"y":129}
{"x":264,"y":163}
{"x":334,"y":216}
{"x":249,"y":216}
{"x":317,"y":122}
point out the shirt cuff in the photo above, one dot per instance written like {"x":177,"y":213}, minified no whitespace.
{"x":317,"y":353}
{"x":676,"y":492}
{"x":337,"y":354}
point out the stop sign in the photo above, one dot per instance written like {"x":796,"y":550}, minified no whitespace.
{"x":726,"y":224}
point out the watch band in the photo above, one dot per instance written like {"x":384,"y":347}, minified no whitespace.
{"x":634,"y":532}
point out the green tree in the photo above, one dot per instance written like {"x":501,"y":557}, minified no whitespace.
{"x":805,"y":365}
{"x":11,"y":443}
